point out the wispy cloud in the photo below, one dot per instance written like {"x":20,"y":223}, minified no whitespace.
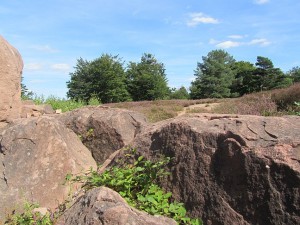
{"x":235,"y":36}
{"x":198,"y":18}
{"x":33,"y":66}
{"x":61,"y":67}
{"x":261,"y":42}
{"x":229,"y":44}
{"x":44,"y":48}
{"x":261,"y":2}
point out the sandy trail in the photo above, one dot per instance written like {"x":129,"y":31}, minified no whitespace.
{"x":205,"y":107}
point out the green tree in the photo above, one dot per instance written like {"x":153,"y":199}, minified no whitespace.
{"x":294,"y":73}
{"x":243,"y":82}
{"x":180,"y":93}
{"x":147,"y":80}
{"x":103,"y":78}
{"x":267,"y":77}
{"x":214,"y":76}
{"x":25,"y":93}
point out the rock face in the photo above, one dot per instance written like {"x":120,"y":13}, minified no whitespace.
{"x":29,"y":109}
{"x":231,"y":169}
{"x":104,"y":130}
{"x":10,"y":81}
{"x":103,"y":206}
{"x":35,"y":156}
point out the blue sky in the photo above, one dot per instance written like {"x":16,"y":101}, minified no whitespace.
{"x":52,"y":35}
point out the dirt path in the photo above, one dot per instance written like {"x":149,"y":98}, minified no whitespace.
{"x":198,"y":108}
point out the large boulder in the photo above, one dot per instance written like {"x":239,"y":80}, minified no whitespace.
{"x":230,"y":169}
{"x":103,"y":206}
{"x":10,"y":81}
{"x":103,"y":130}
{"x":36,"y":154}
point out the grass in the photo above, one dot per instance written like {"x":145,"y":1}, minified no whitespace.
{"x":267,"y":103}
{"x":161,"y":109}
{"x":63,"y":104}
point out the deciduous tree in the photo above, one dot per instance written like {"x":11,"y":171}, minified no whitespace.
{"x":103,"y":78}
{"x":146,"y":80}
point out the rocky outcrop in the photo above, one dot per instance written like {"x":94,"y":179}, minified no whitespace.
{"x":29,"y":109}
{"x":35,"y":156}
{"x":10,"y":80}
{"x":103,"y":206}
{"x":231,"y":169}
{"x":103,"y":130}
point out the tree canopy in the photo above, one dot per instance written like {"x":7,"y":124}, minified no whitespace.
{"x":103,"y":78}
{"x":146,"y":80}
{"x":219,"y":75}
{"x":214,"y":76}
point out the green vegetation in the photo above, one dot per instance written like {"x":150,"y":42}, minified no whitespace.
{"x":220,"y":76}
{"x":102,"y":78}
{"x":106,"y":79}
{"x":214,"y":76}
{"x":298,"y":110}
{"x":29,"y":217}
{"x":63,"y":104}
{"x":146,"y":80}
{"x":180,"y":93}
{"x":135,"y":180}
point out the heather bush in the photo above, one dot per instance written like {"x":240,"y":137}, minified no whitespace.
{"x":252,"y":104}
{"x":285,"y":98}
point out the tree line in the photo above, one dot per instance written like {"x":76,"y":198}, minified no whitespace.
{"x":219,"y":75}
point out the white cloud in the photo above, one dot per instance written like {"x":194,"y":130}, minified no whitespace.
{"x":198,"y":18}
{"x":213,"y":41}
{"x":236,"y":36}
{"x":261,"y":2}
{"x":61,"y":67}
{"x":44,"y":48}
{"x":33,"y":66}
{"x":260,"y":42}
{"x":229,"y":44}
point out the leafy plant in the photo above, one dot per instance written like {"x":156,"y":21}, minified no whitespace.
{"x":29,"y":217}
{"x":298,"y":106}
{"x":135,"y":180}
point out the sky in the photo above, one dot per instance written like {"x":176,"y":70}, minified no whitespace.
{"x":52,"y":35}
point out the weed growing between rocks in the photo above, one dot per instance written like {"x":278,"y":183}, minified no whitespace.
{"x":29,"y":217}
{"x":135,"y":180}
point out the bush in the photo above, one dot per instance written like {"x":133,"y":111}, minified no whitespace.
{"x":135,"y":180}
{"x":29,"y":217}
{"x":63,"y":104}
{"x":251,"y":104}
{"x":286,"y":98}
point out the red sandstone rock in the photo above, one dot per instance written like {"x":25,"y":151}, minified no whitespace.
{"x":103,"y":206}
{"x":11,"y":66}
{"x":104,"y":130}
{"x":230,"y":169}
{"x":35,"y":156}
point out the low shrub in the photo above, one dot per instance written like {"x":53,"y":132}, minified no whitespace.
{"x":251,"y":104}
{"x":29,"y":217}
{"x":285,"y":98}
{"x":63,"y":104}
{"x":134,"y":179}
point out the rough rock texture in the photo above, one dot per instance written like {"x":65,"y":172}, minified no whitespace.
{"x":103,"y":206}
{"x":103,"y":130}
{"x":32,"y":110}
{"x":11,"y":66}
{"x":35,"y":156}
{"x":231,"y":169}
